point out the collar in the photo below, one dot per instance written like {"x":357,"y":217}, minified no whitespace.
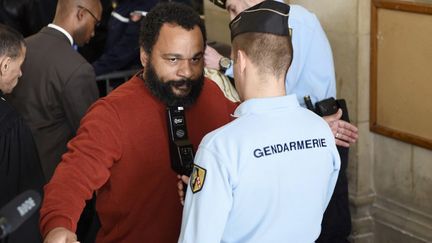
{"x":63,"y":31}
{"x":262,"y":105}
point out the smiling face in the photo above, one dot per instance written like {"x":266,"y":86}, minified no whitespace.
{"x":11,"y":71}
{"x":175,"y":66}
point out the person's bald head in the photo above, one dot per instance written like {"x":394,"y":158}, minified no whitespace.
{"x":79,"y":18}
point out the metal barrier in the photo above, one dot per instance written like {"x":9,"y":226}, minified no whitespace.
{"x":108,"y":82}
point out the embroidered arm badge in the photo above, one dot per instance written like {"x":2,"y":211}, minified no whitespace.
{"x":197,"y":178}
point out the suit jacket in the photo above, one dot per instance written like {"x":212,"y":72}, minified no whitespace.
{"x":57,"y":87}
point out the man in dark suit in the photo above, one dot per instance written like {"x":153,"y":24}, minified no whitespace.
{"x":58,"y":84}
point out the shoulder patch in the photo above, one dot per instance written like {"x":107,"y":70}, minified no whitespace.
{"x":197,"y":178}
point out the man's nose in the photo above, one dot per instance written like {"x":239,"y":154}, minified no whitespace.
{"x":185,"y":69}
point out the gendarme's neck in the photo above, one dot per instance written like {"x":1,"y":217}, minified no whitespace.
{"x":271,"y":87}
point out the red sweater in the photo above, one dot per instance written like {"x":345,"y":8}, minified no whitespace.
{"x":121,"y":151}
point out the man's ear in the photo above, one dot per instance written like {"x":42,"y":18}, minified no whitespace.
{"x":143,"y":57}
{"x":80,"y":14}
{"x":4,"y":64}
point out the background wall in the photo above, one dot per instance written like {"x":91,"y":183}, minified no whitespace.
{"x":390,"y":181}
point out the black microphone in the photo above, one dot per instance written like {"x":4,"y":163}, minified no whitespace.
{"x":17,"y":211}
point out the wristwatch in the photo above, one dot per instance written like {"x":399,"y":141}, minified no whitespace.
{"x":224,"y":64}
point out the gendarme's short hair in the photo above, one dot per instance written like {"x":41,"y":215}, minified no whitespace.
{"x":269,"y":17}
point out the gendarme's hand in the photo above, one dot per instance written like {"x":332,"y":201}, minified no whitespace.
{"x":345,"y":133}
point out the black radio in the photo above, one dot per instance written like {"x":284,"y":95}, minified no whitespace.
{"x":328,"y":107}
{"x":181,"y":150}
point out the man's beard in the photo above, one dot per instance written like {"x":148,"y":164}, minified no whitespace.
{"x":164,"y":90}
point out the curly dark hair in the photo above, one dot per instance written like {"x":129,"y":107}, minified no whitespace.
{"x":168,"y":12}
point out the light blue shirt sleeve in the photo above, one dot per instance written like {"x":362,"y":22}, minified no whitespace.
{"x":312,"y":70}
{"x":230,"y":72}
{"x":203,"y":219}
{"x":334,"y":175}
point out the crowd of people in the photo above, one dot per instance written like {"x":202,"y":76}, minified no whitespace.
{"x":266,"y":169}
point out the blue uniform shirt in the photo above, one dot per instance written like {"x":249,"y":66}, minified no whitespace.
{"x":312,"y":71}
{"x":265,"y":177}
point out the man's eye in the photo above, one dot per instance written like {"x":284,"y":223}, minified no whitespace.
{"x":173,"y":60}
{"x":196,"y":59}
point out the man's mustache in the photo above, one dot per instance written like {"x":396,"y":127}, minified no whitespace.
{"x":179,"y":83}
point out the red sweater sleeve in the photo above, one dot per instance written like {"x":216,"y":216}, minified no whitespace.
{"x":83,"y":169}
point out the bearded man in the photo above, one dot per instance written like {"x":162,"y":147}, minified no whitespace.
{"x":121,"y":150}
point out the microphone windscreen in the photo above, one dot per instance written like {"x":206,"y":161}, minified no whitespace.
{"x":17,"y":211}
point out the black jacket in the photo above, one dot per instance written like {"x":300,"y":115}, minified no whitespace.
{"x":20,"y":169}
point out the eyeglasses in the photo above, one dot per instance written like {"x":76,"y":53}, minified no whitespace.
{"x":90,"y":12}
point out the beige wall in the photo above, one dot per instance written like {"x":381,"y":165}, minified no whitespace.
{"x":217,"y":21}
{"x":390,"y":181}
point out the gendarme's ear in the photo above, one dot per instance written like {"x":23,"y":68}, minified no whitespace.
{"x":241,"y":58}
{"x":143,"y":57}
